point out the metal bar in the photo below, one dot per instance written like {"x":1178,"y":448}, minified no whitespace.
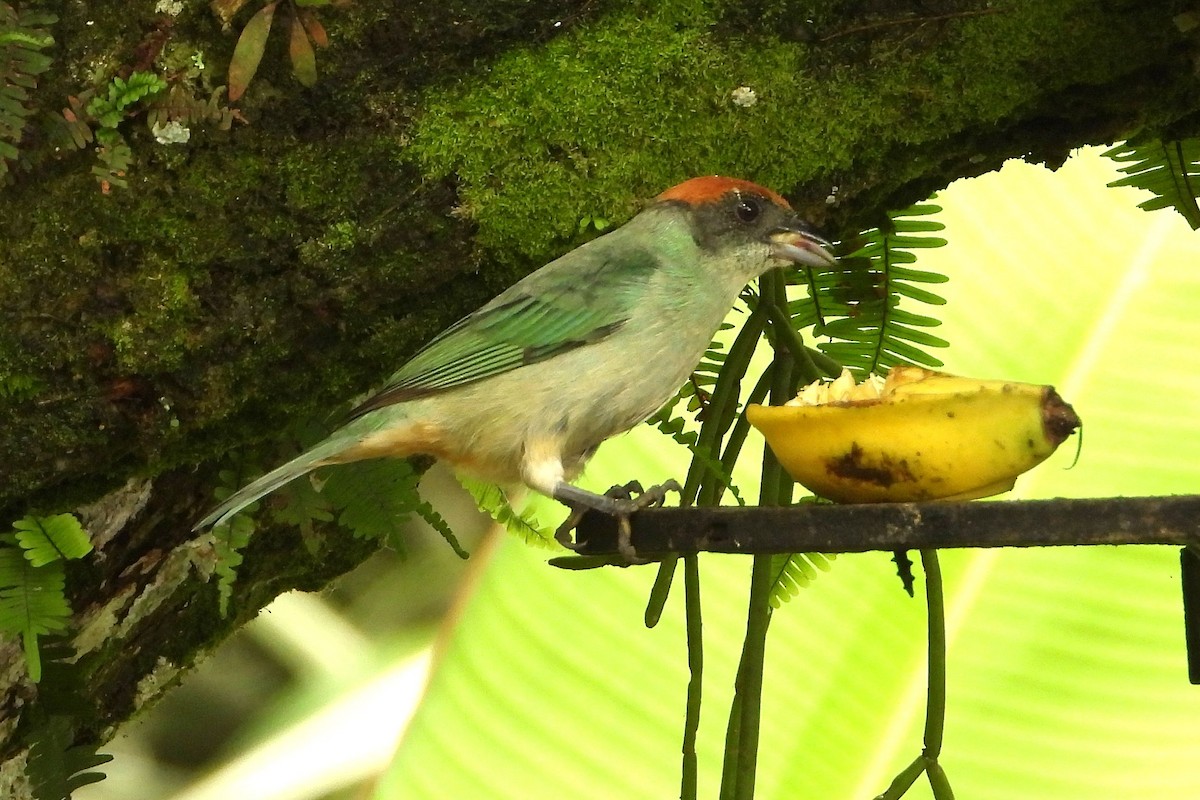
{"x":809,"y":528}
{"x":1189,"y":573}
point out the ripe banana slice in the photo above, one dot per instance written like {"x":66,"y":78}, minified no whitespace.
{"x":916,"y":435}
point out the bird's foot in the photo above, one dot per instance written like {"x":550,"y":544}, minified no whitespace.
{"x":619,"y":501}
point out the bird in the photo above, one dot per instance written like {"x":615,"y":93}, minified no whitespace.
{"x":525,"y":389}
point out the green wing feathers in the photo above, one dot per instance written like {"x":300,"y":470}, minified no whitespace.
{"x":561,"y":307}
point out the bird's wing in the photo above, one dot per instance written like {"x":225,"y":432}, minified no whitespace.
{"x":559,"y":308}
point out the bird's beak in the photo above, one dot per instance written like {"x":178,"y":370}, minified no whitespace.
{"x":801,"y":247}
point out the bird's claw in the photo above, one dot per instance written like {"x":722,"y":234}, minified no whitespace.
{"x":624,"y":502}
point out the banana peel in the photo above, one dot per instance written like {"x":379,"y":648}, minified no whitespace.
{"x":916,"y":435}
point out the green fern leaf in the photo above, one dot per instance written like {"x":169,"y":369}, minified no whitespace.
{"x":492,"y":501}
{"x":1171,"y":170}
{"x":425,"y":510}
{"x":55,"y":768}
{"x":375,"y":498}
{"x":791,"y":573}
{"x":303,"y":505}
{"x":114,"y":158}
{"x":23,"y":35}
{"x":47,"y":539}
{"x":33,"y":600}
{"x":108,"y":110}
{"x":229,"y":540}
{"x":676,"y":428}
{"x":857,"y":304}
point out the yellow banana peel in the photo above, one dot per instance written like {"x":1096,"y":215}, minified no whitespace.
{"x":916,"y":435}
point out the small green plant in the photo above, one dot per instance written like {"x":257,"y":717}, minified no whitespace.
{"x":23,"y":38}
{"x":57,"y":767}
{"x":1169,"y":169}
{"x":372,"y":499}
{"x":108,"y":111}
{"x":33,"y":601}
{"x":857,"y":304}
{"x":97,"y":117}
{"x":492,"y":501}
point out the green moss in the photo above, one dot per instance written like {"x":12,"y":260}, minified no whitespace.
{"x":625,"y":107}
{"x":155,"y":334}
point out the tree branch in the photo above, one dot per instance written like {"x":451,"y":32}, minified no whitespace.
{"x":902,"y":526}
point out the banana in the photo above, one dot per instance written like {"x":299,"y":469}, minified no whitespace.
{"x":916,"y":435}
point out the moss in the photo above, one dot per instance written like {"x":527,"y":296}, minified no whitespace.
{"x":223,"y":285}
{"x":624,"y":107}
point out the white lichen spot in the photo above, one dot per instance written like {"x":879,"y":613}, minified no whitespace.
{"x":169,"y":7}
{"x":155,"y":682}
{"x":743,"y":96}
{"x":174,"y":132}
{"x":832,"y":197}
{"x":198,"y":61}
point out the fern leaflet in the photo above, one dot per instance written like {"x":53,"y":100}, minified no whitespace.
{"x":858,"y":303}
{"x":676,"y":428}
{"x":1171,"y":170}
{"x":47,"y":539}
{"x":55,"y":768}
{"x":374,"y":498}
{"x":791,"y":573}
{"x":110,"y":109}
{"x":33,"y":600}
{"x":23,"y":37}
{"x":492,"y":501}
{"x":229,"y":541}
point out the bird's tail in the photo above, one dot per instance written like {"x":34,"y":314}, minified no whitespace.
{"x":300,"y":465}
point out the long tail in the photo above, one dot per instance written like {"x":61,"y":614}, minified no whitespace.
{"x":300,"y":465}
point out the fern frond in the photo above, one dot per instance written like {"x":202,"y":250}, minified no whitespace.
{"x":33,"y":600}
{"x":55,"y":768}
{"x":791,"y":573}
{"x":229,"y":540}
{"x":1171,"y":170}
{"x":180,"y":105}
{"x":676,"y":428}
{"x":858,"y":303}
{"x":47,"y":539}
{"x":425,"y":510}
{"x":303,"y":505}
{"x":114,"y":158}
{"x":108,"y":110}
{"x":23,"y":37}
{"x":491,"y":500}
{"x":375,"y":498}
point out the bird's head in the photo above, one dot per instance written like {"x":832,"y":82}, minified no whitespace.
{"x":740,"y":220}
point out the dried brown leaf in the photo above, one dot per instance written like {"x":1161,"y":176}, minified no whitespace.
{"x":316,"y":31}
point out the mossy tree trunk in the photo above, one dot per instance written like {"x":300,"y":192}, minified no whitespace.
{"x":245,"y":283}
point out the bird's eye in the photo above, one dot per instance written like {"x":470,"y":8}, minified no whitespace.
{"x":747,"y":209}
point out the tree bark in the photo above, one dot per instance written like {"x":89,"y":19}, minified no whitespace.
{"x":247,"y":282}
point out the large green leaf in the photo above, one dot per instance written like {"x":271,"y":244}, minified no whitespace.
{"x":1067,"y":675}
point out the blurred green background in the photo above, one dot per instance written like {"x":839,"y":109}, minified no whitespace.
{"x":1066,"y":666}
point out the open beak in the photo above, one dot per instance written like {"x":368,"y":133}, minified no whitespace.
{"x":801,"y":247}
